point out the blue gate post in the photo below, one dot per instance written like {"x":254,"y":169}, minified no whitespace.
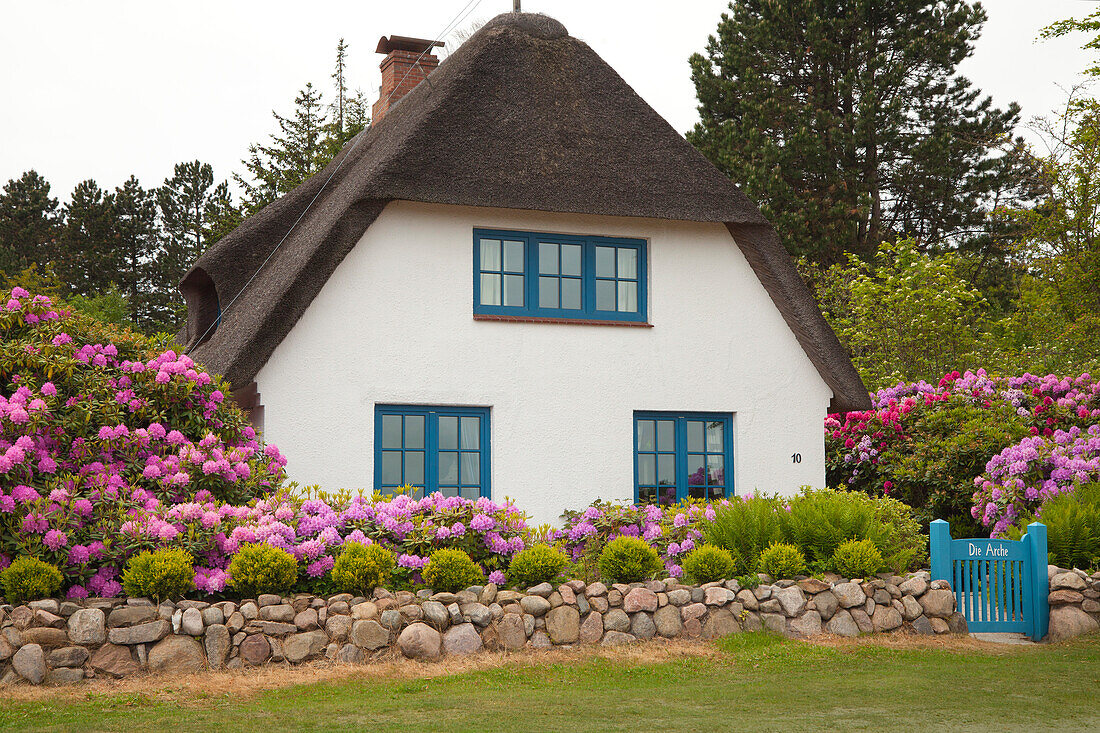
{"x":939,"y":550}
{"x":1040,"y":583}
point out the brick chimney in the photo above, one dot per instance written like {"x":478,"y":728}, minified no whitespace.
{"x":400,"y":69}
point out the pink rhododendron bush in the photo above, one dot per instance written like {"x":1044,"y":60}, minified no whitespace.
{"x":979,"y":450}
{"x":106,"y":445}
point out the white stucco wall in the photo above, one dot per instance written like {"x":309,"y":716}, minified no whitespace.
{"x":394,"y":324}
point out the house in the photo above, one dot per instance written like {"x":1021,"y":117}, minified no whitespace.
{"x":521,"y":281}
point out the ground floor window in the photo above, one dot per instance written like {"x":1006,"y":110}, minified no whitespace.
{"x":432,"y":449}
{"x":682,"y":455}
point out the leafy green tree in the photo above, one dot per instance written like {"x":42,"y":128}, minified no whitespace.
{"x":906,"y":315}
{"x":28,"y":223}
{"x":849,"y":123}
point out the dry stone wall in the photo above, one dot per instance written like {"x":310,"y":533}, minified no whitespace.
{"x":61,"y":642}
{"x":1074,"y":602}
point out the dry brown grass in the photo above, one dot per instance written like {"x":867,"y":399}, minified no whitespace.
{"x":243,"y":683}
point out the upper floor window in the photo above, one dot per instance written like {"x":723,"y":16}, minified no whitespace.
{"x":681,"y":456}
{"x":559,"y":276}
{"x":432,"y":449}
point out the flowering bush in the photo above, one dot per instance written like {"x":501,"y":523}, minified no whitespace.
{"x":108,"y":448}
{"x":671,"y":530}
{"x":925,"y":444}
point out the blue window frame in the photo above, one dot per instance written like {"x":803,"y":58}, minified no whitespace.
{"x":442,"y":449}
{"x":538,"y":275}
{"x":682,"y":455}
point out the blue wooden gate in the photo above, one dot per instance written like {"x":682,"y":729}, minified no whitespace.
{"x":1000,"y":585}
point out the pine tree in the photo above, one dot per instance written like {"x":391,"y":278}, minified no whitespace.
{"x":848,"y":122}
{"x":84,"y":255}
{"x":294,"y":154}
{"x":348,"y":112}
{"x":28,"y":223}
{"x":137,"y":246}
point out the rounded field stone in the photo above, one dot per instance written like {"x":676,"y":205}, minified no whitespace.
{"x":420,"y":641}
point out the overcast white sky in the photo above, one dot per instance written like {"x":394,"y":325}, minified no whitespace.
{"x":108,"y":88}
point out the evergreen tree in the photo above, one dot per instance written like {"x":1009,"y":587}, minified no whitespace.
{"x":84,"y":255}
{"x":28,"y":223}
{"x":848,"y":122}
{"x":136,"y":248}
{"x":348,"y":111}
{"x":294,"y":154}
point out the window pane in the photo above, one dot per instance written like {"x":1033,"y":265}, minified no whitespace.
{"x":391,"y":467}
{"x":628,"y":263}
{"x":605,"y":262}
{"x":391,"y":431}
{"x":414,"y":431}
{"x":448,"y":432}
{"x":646,"y":435}
{"x":647,"y":495}
{"x":647,"y":469}
{"x":490,"y":289}
{"x":473,"y":493}
{"x":448,"y":468}
{"x":448,"y":490}
{"x":414,"y":467}
{"x":628,"y":297}
{"x":513,"y":290}
{"x":695,"y":435}
{"x":666,"y":435}
{"x":490,"y":254}
{"x":696,"y":474}
{"x":605,"y":295}
{"x":471,"y":433}
{"x":571,"y":259}
{"x":548,"y":258}
{"x":666,"y":469}
{"x":716,"y":493}
{"x":513,"y":256}
{"x":716,"y":473}
{"x":571,"y":293}
{"x":716,"y":442}
{"x":548,"y":292}
{"x":471,"y":468}
{"x":696,"y":492}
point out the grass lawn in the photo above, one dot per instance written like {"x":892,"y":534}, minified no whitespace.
{"x":747,"y":681}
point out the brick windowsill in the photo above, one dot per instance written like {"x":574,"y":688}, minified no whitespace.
{"x":564,"y":321}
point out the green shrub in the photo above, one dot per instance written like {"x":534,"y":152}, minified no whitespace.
{"x":708,"y":563}
{"x":750,"y":581}
{"x":857,"y":559}
{"x":744,"y":529}
{"x":782,"y":560}
{"x":159,"y":575}
{"x":537,"y":564}
{"x":819,"y":521}
{"x":361,"y":568}
{"x":29,"y":579}
{"x":1073,"y":528}
{"x":629,"y":560}
{"x":261,"y":568}
{"x":451,"y":570}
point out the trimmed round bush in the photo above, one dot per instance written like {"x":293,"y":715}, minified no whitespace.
{"x":362,"y":568}
{"x":708,"y":563}
{"x":781,"y":560}
{"x":539,"y":563}
{"x":162,"y":574}
{"x":29,"y":579}
{"x":450,"y":570}
{"x":857,"y":559}
{"x":261,"y":568}
{"x":629,"y":560}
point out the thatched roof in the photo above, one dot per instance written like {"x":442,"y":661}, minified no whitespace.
{"x":521,"y":116}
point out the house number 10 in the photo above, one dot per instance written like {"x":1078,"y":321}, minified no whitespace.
{"x":796,"y":458}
